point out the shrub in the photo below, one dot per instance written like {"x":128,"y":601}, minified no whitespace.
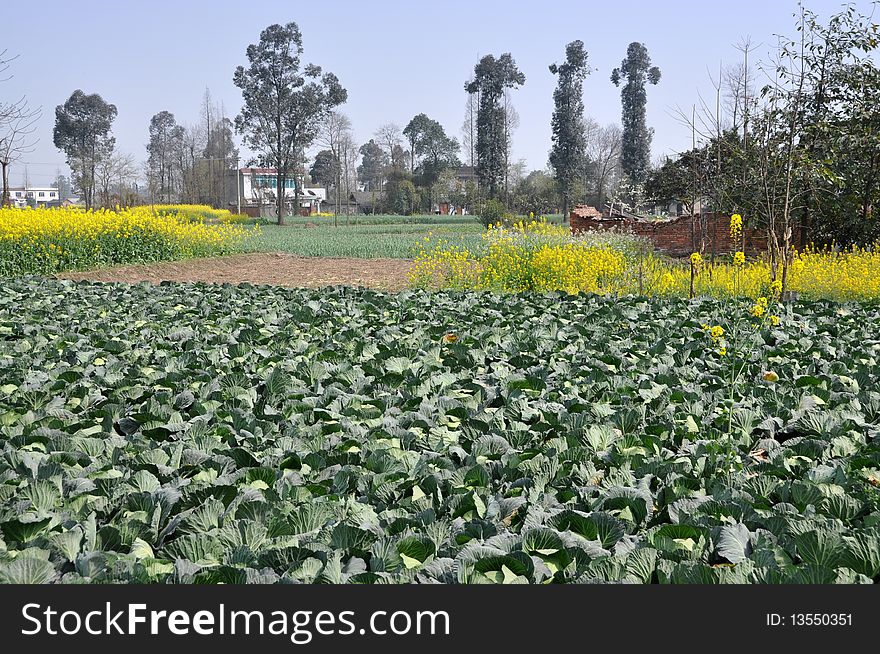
{"x":493,"y":212}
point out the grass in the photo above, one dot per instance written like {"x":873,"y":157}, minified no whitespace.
{"x":370,"y":237}
{"x":368,"y":240}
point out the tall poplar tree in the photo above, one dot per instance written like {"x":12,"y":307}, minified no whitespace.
{"x":635,"y":157}
{"x":491,"y":77}
{"x":569,"y":141}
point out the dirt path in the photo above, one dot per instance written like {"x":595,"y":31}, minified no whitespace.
{"x":263,"y":268}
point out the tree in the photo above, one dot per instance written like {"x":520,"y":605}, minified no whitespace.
{"x":114,"y":175}
{"x":469,"y":129}
{"x":63,"y":185}
{"x":429,"y":142}
{"x":674,"y":180}
{"x":491,"y":77}
{"x":373,"y":164}
{"x":17,"y":126}
{"x":16,"y":138}
{"x":349,"y":153}
{"x":567,"y":124}
{"x":400,"y":193}
{"x":636,"y":148}
{"x":164,"y":136}
{"x":325,"y":169}
{"x":536,"y":194}
{"x":284,"y":103}
{"x":335,"y":135}
{"x":510,"y":122}
{"x":603,"y":145}
{"x":219,"y":155}
{"x":82,"y":132}
{"x":433,"y":149}
{"x":389,"y":137}
{"x":414,"y":132}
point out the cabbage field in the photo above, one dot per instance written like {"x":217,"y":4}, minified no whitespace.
{"x":207,"y":434}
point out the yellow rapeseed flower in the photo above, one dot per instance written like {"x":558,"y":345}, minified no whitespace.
{"x":736,"y":225}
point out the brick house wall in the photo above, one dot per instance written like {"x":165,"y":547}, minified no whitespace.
{"x":677,"y":237}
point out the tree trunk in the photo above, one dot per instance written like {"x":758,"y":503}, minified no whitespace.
{"x":5,"y":198}
{"x":279,"y":196}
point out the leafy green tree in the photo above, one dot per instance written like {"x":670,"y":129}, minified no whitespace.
{"x":841,"y":124}
{"x":536,"y":193}
{"x":434,"y":151}
{"x":400,"y":193}
{"x":569,"y":140}
{"x":491,"y":77}
{"x":325,"y":169}
{"x":82,"y":132}
{"x":635,"y":157}
{"x":165,"y":137}
{"x":430,"y":143}
{"x":374,"y":161}
{"x":284,"y":103}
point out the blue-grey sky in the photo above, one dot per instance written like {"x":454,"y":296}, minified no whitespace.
{"x":395,"y":58}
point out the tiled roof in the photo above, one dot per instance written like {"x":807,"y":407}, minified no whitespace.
{"x":586,"y":211}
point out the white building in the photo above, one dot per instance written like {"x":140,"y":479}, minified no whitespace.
{"x":258,"y":188}
{"x":38,"y":196}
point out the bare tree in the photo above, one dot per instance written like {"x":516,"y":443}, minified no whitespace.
{"x":604,"y":146}
{"x":332,"y":135}
{"x":16,"y":139}
{"x":195,"y":177}
{"x":469,"y":128}
{"x":349,"y":154}
{"x":115,"y":175}
{"x":389,"y":136}
{"x":17,"y":126}
{"x":511,"y":123}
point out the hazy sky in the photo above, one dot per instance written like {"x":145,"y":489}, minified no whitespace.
{"x":396,"y":59}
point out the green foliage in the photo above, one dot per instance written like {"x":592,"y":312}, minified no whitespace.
{"x":374,"y":161}
{"x":284,"y":101}
{"x":400,"y":194}
{"x":491,"y":77}
{"x":806,"y":150}
{"x":207,"y":434}
{"x":536,"y":194}
{"x":162,"y":149}
{"x":436,"y":150}
{"x":635,"y":157}
{"x":325,"y":169}
{"x":493,"y":212}
{"x":569,"y":141}
{"x":82,"y":132}
{"x":384,"y":237}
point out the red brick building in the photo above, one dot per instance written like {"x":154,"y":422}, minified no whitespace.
{"x":677,"y":236}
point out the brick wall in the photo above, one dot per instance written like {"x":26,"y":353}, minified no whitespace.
{"x":680,"y":236}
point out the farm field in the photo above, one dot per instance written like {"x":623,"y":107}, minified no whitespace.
{"x":275,"y":268}
{"x":388,"y":240}
{"x":204,"y":433}
{"x":46,"y":241}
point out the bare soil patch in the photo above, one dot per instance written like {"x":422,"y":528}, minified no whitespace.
{"x":262,"y":268}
